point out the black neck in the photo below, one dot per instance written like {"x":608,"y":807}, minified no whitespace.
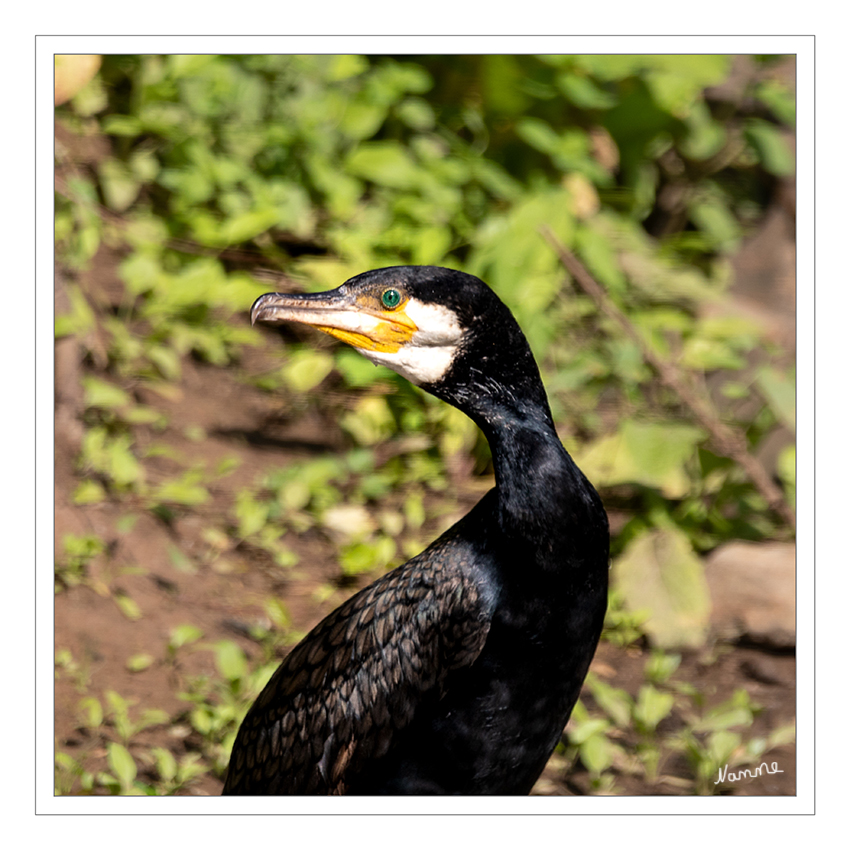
{"x":537,"y":482}
{"x":542,"y":495}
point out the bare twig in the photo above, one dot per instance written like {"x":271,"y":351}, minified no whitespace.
{"x":728,"y":441}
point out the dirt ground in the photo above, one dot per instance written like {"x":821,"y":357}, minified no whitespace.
{"x":224,"y":593}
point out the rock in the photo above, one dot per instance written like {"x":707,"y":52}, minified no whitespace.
{"x":753,"y":592}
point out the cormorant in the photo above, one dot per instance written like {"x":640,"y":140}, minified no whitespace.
{"x":456,"y":672}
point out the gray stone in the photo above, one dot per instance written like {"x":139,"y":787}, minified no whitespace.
{"x":753,"y":592}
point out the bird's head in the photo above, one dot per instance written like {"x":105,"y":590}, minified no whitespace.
{"x":443,"y":330}
{"x":412,"y":319}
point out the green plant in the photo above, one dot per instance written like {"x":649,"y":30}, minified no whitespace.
{"x":707,"y":738}
{"x":79,"y":552}
{"x":219,"y":704}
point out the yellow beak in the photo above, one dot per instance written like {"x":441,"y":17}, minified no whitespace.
{"x":339,"y":314}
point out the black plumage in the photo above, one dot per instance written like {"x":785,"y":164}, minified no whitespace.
{"x":456,"y":672}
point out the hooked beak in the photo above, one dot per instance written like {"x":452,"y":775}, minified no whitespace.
{"x":339,"y":314}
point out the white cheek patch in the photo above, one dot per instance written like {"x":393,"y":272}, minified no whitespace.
{"x":426,"y":358}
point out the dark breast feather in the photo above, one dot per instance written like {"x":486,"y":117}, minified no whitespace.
{"x":337,"y":701}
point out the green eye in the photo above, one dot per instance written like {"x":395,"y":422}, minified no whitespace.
{"x":391,"y":298}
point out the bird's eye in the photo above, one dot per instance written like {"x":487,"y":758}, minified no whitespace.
{"x":391,"y":298}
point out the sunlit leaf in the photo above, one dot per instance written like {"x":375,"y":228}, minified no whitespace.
{"x":773,"y":150}
{"x":88,"y":492}
{"x":182,"y":493}
{"x":141,"y":661}
{"x":230,"y":660}
{"x":779,"y":390}
{"x":305,"y":369}
{"x":385,"y":163}
{"x":127,"y":606}
{"x":250,"y":513}
{"x":659,"y":572}
{"x":645,"y":453}
{"x":121,"y":763}
{"x":583,"y":92}
{"x":185,"y":634}
{"x":120,"y":186}
{"x":651,"y":707}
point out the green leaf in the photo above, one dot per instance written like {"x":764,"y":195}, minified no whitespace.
{"x":79,"y":321}
{"x":230,"y":660}
{"x":251,"y":514}
{"x":615,"y":702}
{"x":780,"y":392}
{"x":355,"y":369}
{"x":127,"y":606}
{"x":416,"y":113}
{"x":773,"y":150}
{"x":247,"y":225}
{"x":786,"y":468}
{"x":582,"y":731}
{"x":278,"y":614}
{"x":721,"y":746}
{"x":139,"y":662}
{"x":183,"y":492}
{"x":709,"y":354}
{"x":584,"y":93}
{"x":306,"y":369}
{"x":121,"y":763}
{"x":539,"y":134}
{"x":738,"y":710}
{"x":660,"y":573}
{"x":181,"y":562}
{"x":121,"y":125}
{"x":153,"y":717}
{"x":89,"y":492}
{"x":166,"y":764}
{"x":661,"y":666}
{"x":677,"y":82}
{"x":120,"y":187}
{"x":181,"y":635}
{"x":777,"y":97}
{"x":344,"y":66}
{"x":201,"y":720}
{"x":364,"y":557}
{"x":651,"y":708}
{"x":370,"y":422}
{"x":783,"y":735}
{"x":81,"y":549}
{"x":643,"y":453}
{"x":597,"y":754}
{"x":140,"y":414}
{"x":92,"y":712}
{"x":706,"y":135}
{"x":362,"y":120}
{"x":103,"y":394}
{"x":385,"y":163}
{"x":714,"y":218}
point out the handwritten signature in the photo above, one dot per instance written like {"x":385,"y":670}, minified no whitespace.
{"x":725,"y":776}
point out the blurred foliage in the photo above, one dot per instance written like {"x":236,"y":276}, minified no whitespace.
{"x":709,"y":743}
{"x":207,"y":178}
{"x":319,"y":167}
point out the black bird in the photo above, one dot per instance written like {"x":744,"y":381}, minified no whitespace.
{"x":456,"y":672}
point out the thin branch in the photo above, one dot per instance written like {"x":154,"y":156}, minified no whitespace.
{"x":729,"y":442}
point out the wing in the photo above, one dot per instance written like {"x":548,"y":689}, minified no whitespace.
{"x":337,"y":700}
